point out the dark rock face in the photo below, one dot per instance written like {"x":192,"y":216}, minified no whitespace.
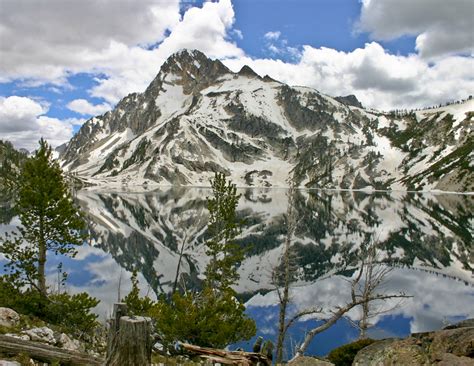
{"x":247,"y":71}
{"x":350,"y":100}
{"x":444,"y":347}
{"x":195,"y":69}
{"x":315,"y":115}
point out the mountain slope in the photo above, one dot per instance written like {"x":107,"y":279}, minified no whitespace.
{"x":197,"y":117}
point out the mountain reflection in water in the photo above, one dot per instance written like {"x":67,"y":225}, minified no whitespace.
{"x":426,"y":238}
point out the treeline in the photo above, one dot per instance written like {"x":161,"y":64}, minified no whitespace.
{"x":407,"y":112}
{"x":11,"y":161}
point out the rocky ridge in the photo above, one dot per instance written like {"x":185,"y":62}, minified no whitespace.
{"x":449,"y":347}
{"x":197,"y":117}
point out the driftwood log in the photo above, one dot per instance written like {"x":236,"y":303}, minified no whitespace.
{"x":238,"y":358}
{"x":129,"y":339}
{"x":46,"y":353}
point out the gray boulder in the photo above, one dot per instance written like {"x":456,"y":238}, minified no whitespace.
{"x":454,"y":347}
{"x":42,"y":334}
{"x":9,"y":318}
{"x":309,"y":361}
{"x":70,"y":344}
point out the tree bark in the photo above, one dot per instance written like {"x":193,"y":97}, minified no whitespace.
{"x":129,"y":341}
{"x":132,"y":344}
{"x":45,"y":353}
{"x":41,"y":267}
{"x":224,"y":357}
{"x":120,"y":309}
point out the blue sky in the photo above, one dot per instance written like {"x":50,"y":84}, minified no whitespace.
{"x":64,"y":61}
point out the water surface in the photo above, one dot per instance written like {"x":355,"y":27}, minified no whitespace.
{"x":425,"y":238}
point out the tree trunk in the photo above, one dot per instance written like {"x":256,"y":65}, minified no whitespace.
{"x":120,"y":309}
{"x":175,"y":285}
{"x":46,"y":353}
{"x":132,"y":344}
{"x":224,"y":357}
{"x":129,"y":341}
{"x":41,"y":267}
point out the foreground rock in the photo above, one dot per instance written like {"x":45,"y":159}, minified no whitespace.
{"x":448,"y":347}
{"x":309,"y":361}
{"x":9,"y":318}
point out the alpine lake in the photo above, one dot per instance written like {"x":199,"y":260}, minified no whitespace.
{"x":426,"y":239}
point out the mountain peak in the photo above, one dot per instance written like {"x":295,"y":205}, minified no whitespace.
{"x":186,"y":54}
{"x":350,"y":100}
{"x":247,"y":71}
{"x":190,"y":68}
{"x":192,"y":61}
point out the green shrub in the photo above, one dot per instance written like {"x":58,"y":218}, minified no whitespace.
{"x":72,"y":313}
{"x":210,"y":319}
{"x":137,"y":305}
{"x":344,"y":355}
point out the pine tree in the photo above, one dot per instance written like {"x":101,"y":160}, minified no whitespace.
{"x":223,"y":228}
{"x":49,"y":220}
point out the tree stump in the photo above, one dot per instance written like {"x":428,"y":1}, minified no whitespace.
{"x":120,"y":309}
{"x":129,"y":342}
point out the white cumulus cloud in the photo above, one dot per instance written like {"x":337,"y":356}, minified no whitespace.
{"x":46,"y":40}
{"x":441,"y":27}
{"x":205,"y":28}
{"x":23,"y":122}
{"x":84,"y":107}
{"x":378,"y":78}
{"x":272,"y":35}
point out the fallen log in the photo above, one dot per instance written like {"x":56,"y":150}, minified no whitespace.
{"x":42,"y":352}
{"x":238,"y":358}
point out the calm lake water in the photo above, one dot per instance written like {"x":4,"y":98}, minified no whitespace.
{"x":425,"y":238}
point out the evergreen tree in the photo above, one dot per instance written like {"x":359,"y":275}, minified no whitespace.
{"x":49,"y":220}
{"x":11,"y":162}
{"x":223,"y":228}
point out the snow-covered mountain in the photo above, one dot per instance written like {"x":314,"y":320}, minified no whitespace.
{"x":197,"y":117}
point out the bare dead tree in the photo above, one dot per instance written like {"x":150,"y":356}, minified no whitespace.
{"x":178,"y":267}
{"x":374,"y":278}
{"x":366,"y":288}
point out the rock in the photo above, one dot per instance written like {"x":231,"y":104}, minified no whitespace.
{"x":454,"y":347}
{"x":459,"y":342}
{"x":9,"y":363}
{"x":69,"y":344}
{"x":309,"y":361}
{"x":9,"y":318}
{"x":391,"y":352}
{"x":350,"y":100}
{"x":43,"y":334}
{"x":462,"y":324}
{"x":449,"y":359}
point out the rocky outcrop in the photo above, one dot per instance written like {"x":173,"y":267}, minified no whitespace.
{"x":453,"y":347}
{"x":309,"y":361}
{"x":9,"y":318}
{"x":350,"y":100}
